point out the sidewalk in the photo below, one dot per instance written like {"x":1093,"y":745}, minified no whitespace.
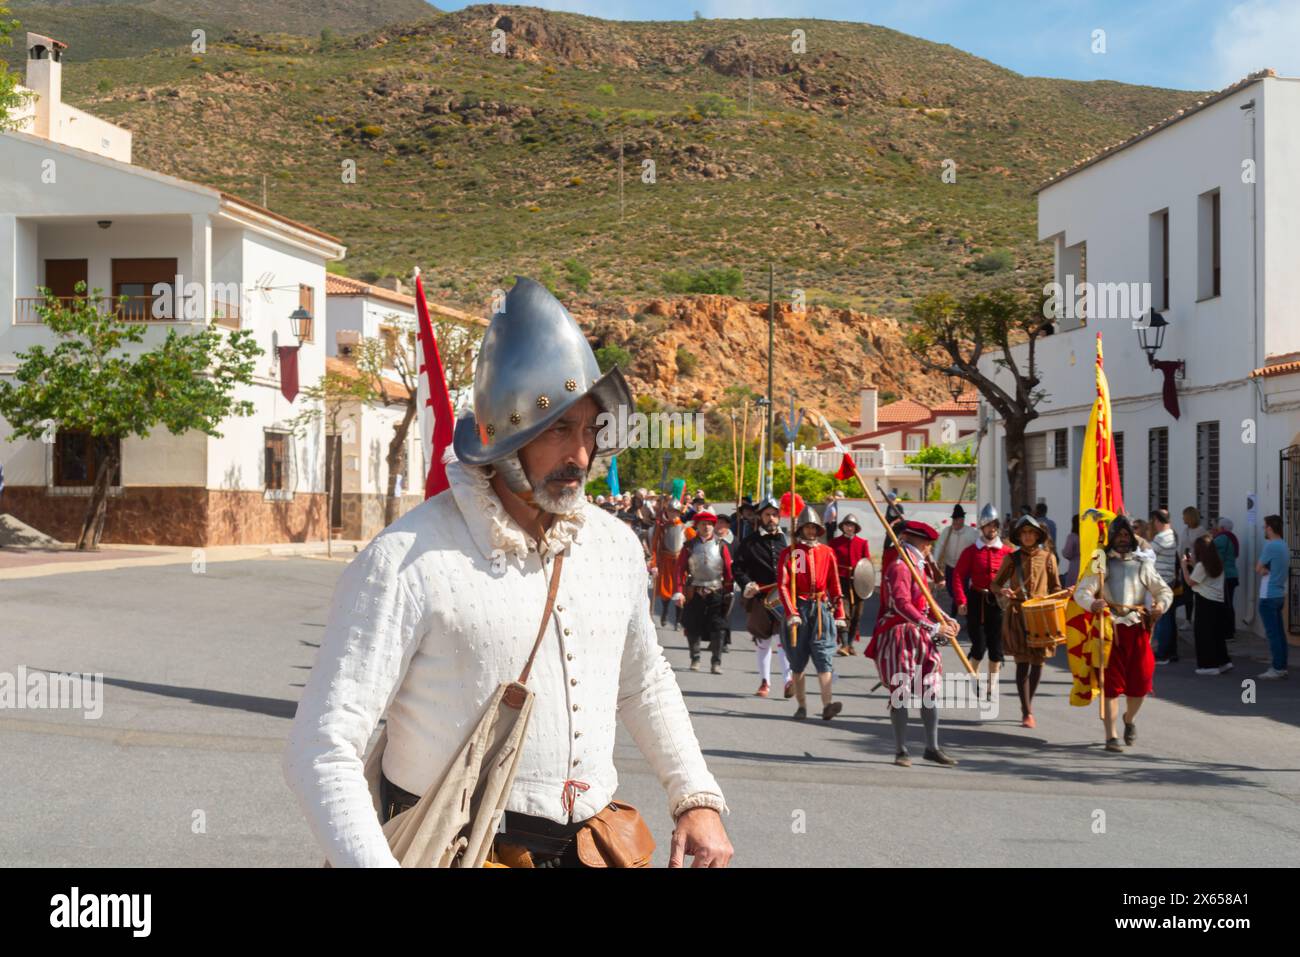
{"x":37,"y":562}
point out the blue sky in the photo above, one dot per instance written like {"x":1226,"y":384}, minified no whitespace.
{"x":1186,"y":44}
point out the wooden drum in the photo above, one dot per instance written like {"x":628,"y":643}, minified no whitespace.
{"x":1044,"y":620}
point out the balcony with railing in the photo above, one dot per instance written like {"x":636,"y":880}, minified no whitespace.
{"x":868,"y":461}
{"x":149,"y":309}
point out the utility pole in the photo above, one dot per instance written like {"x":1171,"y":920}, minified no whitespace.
{"x":620,"y":177}
{"x":264,"y":206}
{"x":771,"y":340}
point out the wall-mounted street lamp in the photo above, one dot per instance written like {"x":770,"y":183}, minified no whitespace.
{"x":300,"y":323}
{"x":1151,"y":336}
{"x":956,"y":386}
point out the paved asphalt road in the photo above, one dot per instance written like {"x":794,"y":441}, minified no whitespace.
{"x":203,"y":671}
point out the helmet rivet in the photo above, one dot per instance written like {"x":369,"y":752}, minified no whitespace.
{"x":491,"y":429}
{"x":571,"y":385}
{"x":543,"y":401}
{"x":514,"y":418}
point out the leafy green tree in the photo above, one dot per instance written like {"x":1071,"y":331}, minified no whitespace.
{"x":91,"y":381}
{"x":951,"y":336}
{"x":381,"y":361}
{"x":11,"y":98}
{"x":938,"y":455}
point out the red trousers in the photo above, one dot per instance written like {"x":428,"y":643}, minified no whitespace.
{"x":1132,"y":663}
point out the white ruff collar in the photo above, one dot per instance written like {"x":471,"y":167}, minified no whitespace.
{"x":996,"y":543}
{"x":497,"y":535}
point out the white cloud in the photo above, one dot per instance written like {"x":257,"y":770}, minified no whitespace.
{"x":1254,"y":35}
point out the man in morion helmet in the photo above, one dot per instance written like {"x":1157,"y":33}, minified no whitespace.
{"x":445,"y":604}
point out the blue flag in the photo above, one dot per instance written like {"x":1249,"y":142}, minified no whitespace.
{"x":612,"y":478}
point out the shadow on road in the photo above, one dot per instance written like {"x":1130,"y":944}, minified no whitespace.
{"x":272,"y":707}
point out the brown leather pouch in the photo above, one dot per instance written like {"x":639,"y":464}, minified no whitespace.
{"x":616,"y":837}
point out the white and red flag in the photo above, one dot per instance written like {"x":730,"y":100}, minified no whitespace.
{"x":434,"y":401}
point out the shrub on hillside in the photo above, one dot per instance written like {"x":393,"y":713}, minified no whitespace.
{"x":609,"y":356}
{"x":715,"y":104}
{"x":686,"y":361}
{"x":578,"y":275}
{"x":723,"y":281}
{"x":996,"y":261}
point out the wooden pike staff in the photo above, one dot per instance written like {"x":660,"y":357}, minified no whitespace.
{"x":736,"y":477}
{"x":744,"y":447}
{"x":902,"y":552}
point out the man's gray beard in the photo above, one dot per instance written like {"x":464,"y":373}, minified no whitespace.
{"x":564,"y":504}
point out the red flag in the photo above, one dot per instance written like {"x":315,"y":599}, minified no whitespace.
{"x":437,"y":399}
{"x":846,"y":468}
{"x":289,"y":371}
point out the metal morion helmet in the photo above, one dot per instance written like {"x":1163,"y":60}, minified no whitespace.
{"x":809,"y":516}
{"x":988,"y":514}
{"x":534,"y":363}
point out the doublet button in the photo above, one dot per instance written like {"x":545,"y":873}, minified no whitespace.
{"x":569,"y":656}
{"x":575,"y":707}
{"x":566,"y":631}
{"x":573,"y":681}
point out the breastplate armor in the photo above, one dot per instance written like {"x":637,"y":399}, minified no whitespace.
{"x":674,"y":538}
{"x":705,"y":563}
{"x":1122,"y":583}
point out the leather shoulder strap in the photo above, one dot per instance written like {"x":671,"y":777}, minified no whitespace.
{"x":546,"y":617}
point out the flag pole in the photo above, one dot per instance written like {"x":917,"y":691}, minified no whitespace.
{"x":917,"y":577}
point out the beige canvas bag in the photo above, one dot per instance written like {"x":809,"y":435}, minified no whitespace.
{"x":454,"y":823}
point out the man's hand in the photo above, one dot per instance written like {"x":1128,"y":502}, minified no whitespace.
{"x":1008,"y":593}
{"x":679,"y":599}
{"x":1157,"y":610}
{"x":961,"y":609}
{"x":1098,"y":604}
{"x":793,"y":621}
{"x":949,"y":628}
{"x":750,"y":590}
{"x":700,"y":835}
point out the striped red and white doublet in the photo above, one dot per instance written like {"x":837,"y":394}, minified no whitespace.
{"x":900,"y":644}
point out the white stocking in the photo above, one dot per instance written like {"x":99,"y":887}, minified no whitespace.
{"x":764,"y":651}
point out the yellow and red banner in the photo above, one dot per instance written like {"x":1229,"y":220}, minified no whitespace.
{"x":1089,"y":636}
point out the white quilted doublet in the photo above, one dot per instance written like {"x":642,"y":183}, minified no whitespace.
{"x":441,"y":608}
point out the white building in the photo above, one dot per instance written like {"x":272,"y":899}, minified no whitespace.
{"x":360,"y":311}
{"x":886,"y":435}
{"x":1205,"y":208}
{"x":73,"y":208}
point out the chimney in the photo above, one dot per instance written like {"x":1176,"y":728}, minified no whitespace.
{"x":393,"y":283}
{"x":45,"y":79}
{"x":867,"y":406}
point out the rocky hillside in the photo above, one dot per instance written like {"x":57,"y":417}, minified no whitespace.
{"x":687,"y":352}
{"x":481,"y":160}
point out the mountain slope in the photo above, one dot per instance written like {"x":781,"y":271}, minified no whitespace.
{"x":479,"y":165}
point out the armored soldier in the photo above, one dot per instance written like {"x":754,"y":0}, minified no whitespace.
{"x":813,"y":608}
{"x":443,"y":606}
{"x":979,"y":564}
{"x":1122,"y":592}
{"x":850,"y":549}
{"x":666,"y":546}
{"x":704,"y":568}
{"x":756,"y":574}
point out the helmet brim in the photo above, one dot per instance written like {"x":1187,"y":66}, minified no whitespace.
{"x":474,"y":446}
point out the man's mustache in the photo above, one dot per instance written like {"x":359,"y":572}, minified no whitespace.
{"x":567,"y":473}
